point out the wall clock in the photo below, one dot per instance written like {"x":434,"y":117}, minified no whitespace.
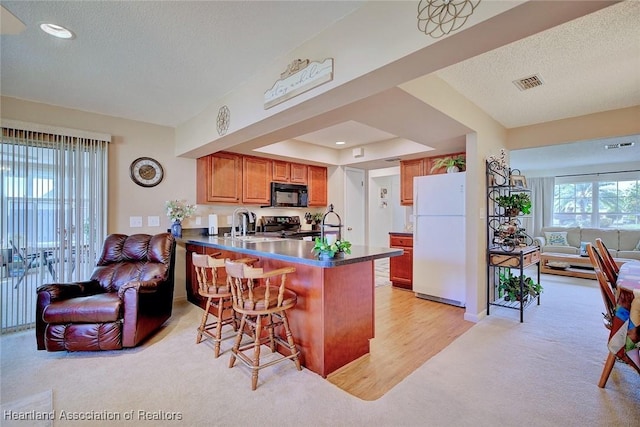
{"x":146,"y":172}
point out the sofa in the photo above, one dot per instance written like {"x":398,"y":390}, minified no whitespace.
{"x":623,"y":244}
{"x":127,"y":298}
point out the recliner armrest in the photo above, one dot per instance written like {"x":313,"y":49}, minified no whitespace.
{"x":141,"y":286}
{"x":63,"y":291}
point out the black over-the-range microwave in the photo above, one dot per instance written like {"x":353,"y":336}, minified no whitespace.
{"x":289,"y":195}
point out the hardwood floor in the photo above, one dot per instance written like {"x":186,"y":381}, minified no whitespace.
{"x":409,"y":331}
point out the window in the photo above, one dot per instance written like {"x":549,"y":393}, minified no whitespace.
{"x":600,"y":201}
{"x":52,"y":215}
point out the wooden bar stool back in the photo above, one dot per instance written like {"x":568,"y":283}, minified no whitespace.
{"x":217,"y":291}
{"x":261,"y":306}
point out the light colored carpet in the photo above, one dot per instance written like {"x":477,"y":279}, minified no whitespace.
{"x":35,"y":410}
{"x":542,"y":372}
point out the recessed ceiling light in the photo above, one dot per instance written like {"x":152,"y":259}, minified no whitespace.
{"x":340,"y":143}
{"x":57,"y":31}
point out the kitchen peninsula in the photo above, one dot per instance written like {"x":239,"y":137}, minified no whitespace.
{"x":333,"y":319}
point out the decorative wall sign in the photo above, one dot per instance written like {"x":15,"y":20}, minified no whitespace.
{"x":439,"y":17}
{"x":299,"y":77}
{"x":224,"y":117}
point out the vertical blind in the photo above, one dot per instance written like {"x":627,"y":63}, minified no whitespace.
{"x":53,"y":214}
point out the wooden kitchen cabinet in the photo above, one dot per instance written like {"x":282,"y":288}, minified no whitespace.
{"x":256,"y":180}
{"x":231,"y":178}
{"x":401,"y":267}
{"x":219,"y":178}
{"x":281,"y":171}
{"x":299,"y":174}
{"x":408,"y":170}
{"x":294,"y":173}
{"x":317,"y":185}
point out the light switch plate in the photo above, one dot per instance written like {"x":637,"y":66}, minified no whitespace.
{"x":153,"y":221}
{"x":135,"y":221}
{"x":198,"y":220}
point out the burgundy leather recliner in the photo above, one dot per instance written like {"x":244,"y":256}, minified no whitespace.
{"x":129,"y":296}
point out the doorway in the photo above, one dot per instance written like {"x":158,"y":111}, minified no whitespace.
{"x":354,"y":212}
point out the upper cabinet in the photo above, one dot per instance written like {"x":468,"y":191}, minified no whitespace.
{"x":417,"y":167}
{"x":294,"y":173}
{"x":317,"y":183}
{"x":256,"y":179}
{"x":408,"y":170}
{"x":232,"y":178}
{"x":299,"y":174}
{"x":281,"y":171}
{"x":219,"y":178}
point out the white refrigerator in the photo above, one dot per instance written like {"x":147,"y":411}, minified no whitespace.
{"x":439,"y":263}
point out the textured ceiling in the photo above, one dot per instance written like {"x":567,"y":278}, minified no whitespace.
{"x":160,"y":62}
{"x":163,"y":62}
{"x":588,"y":65}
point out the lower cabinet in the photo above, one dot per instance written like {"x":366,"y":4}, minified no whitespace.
{"x":401,"y":267}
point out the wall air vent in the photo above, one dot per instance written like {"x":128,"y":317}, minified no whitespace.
{"x":620,"y":145}
{"x":529,"y":82}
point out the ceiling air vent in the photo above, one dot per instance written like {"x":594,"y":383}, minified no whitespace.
{"x":528,"y":82}
{"x":395,"y":159}
{"x":620,"y":145}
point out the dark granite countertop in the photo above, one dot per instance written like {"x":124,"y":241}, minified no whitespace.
{"x":297,"y":251}
{"x":401,"y":233}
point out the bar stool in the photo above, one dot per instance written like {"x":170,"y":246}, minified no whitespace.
{"x":261,"y":307}
{"x":218,"y":294}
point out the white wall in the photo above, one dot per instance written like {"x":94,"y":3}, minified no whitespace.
{"x":383,"y":220}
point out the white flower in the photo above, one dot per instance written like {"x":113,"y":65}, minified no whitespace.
{"x":179,"y":210}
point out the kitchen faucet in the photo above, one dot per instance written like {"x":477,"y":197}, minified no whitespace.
{"x":244,"y":221}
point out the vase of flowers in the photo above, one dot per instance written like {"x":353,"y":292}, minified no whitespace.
{"x":178,"y":211}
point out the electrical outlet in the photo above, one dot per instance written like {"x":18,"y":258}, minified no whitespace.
{"x":229,"y":220}
{"x":153,"y":221}
{"x":135,"y":221}
{"x":198,"y":220}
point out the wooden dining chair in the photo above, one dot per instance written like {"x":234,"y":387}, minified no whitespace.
{"x":609,"y":266}
{"x":608,"y":296}
{"x":261,"y":306}
{"x":609,"y":299}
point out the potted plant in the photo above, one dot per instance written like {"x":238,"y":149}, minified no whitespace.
{"x":317,"y":219}
{"x":452,"y":164}
{"x":509,"y":287}
{"x":515,"y":203}
{"x":328,"y":250}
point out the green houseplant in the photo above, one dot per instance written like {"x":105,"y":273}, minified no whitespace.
{"x":324,"y":249}
{"x":452,"y":164}
{"x":509,"y":287}
{"x":515,"y":203}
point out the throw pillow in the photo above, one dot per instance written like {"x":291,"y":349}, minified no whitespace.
{"x":583,"y":249}
{"x":556,"y":238}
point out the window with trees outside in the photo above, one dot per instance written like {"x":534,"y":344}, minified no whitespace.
{"x":598,"y":201}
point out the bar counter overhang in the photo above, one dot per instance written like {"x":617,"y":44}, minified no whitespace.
{"x":334,"y":317}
